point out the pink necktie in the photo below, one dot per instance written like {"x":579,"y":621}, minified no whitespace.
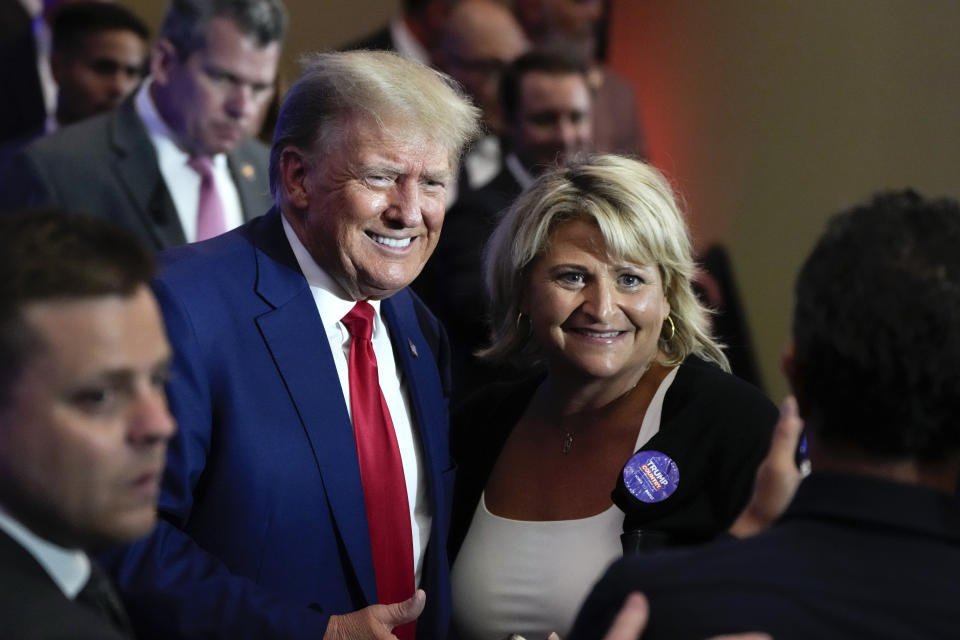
{"x":211,"y":220}
{"x":381,"y":469}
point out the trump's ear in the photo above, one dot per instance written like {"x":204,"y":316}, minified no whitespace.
{"x":788,"y":363}
{"x":293,"y":174}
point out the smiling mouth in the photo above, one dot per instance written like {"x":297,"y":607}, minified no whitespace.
{"x":393,"y":243}
{"x":597,"y":334}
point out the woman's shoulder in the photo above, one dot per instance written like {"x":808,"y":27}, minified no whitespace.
{"x":702,"y":383}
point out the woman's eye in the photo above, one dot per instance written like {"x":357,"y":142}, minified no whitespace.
{"x":630,"y":280}
{"x":571,"y":277}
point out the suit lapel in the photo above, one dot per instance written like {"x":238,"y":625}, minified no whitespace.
{"x":135,"y":164}
{"x":294,"y":335}
{"x":423,"y":386}
{"x":244,"y":171}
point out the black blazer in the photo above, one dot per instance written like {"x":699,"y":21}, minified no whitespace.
{"x":33,"y":606}
{"x":716,"y":427}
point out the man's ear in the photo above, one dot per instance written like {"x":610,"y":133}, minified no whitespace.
{"x":162,"y":58}
{"x":788,"y":363}
{"x":293,"y":175}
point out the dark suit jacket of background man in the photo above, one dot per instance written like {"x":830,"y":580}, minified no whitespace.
{"x":852,"y":557}
{"x":262,"y":509}
{"x":107,"y":166}
{"x":452,"y":282}
{"x":33,"y":607}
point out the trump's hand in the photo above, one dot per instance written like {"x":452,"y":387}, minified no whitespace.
{"x":377,"y":621}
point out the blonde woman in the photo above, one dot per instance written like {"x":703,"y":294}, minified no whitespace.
{"x":629,"y":421}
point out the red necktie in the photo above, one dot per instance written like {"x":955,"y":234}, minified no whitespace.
{"x":381,"y":469}
{"x":211,"y":220}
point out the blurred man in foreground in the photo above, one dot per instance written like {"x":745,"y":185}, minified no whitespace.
{"x":83,"y":419}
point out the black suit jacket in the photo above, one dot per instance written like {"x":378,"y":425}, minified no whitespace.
{"x":852,"y":557}
{"x":715,"y":426}
{"x":106,"y":166}
{"x":379,"y":40}
{"x":33,"y":607}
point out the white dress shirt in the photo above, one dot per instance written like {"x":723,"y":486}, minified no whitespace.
{"x":333,"y":304}
{"x":69,"y":568}
{"x":183,"y":183}
{"x":406,"y":43}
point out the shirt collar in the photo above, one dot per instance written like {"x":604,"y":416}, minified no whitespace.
{"x":523,"y":177}
{"x":69,"y":568}
{"x":332,"y":301}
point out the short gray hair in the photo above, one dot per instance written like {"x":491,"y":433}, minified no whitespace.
{"x":378,"y":85}
{"x":186,"y":22}
{"x":633,"y":206}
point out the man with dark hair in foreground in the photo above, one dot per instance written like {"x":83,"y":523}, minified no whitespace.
{"x":869,"y":547}
{"x":83,"y":419}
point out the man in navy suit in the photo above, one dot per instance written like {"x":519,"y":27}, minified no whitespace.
{"x":211,"y":78}
{"x":264,"y":530}
{"x":869,"y":547}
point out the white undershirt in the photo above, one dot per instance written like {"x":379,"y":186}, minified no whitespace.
{"x":69,"y":568}
{"x":531,"y":577}
{"x":333,"y":304}
{"x":183,"y":183}
{"x":523,"y":177}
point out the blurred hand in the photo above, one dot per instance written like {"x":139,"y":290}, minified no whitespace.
{"x":377,"y":621}
{"x":777,"y":476}
{"x":632,"y":619}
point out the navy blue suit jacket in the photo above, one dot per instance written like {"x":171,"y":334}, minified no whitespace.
{"x":264,"y":530}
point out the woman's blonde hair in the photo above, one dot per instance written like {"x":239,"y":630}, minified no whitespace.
{"x":634,"y":208}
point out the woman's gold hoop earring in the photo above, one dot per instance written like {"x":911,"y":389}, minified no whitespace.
{"x":529,"y":326}
{"x":673,"y":329}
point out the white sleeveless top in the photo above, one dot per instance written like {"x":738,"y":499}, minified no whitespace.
{"x":531,"y":577}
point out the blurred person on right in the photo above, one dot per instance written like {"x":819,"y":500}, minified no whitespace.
{"x":589,"y":278}
{"x":869,"y":546}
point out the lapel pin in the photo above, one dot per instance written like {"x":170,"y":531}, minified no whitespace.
{"x":413,"y":348}
{"x":248,"y":171}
